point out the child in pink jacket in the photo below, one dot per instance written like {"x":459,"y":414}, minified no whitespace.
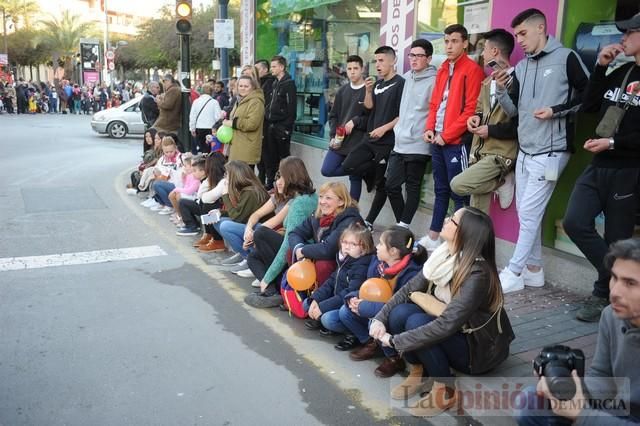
{"x":190,"y":185}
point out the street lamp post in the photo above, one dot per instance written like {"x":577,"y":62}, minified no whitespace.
{"x":105,"y":73}
{"x":224,"y":53}
{"x":4,"y":28}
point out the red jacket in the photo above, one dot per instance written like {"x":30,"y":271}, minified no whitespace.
{"x":463,"y":96}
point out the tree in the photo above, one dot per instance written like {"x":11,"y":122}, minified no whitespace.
{"x":62,"y":37}
{"x":20,"y":11}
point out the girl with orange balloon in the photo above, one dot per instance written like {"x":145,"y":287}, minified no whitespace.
{"x":353,"y":259}
{"x":393,"y":266}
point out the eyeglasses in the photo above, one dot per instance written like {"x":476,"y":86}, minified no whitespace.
{"x":350,"y":243}
{"x":416,"y":55}
{"x":278,"y":175}
{"x":452,"y":220}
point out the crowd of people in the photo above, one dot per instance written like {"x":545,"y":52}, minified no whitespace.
{"x":509,"y":132}
{"x":63,"y":97}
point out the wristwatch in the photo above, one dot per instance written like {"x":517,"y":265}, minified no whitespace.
{"x":611,"y":143}
{"x":393,"y":346}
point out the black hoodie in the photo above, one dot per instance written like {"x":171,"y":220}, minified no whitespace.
{"x":281,"y":109}
{"x":603,"y":91}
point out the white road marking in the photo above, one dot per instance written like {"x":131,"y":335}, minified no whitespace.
{"x":79,"y":258}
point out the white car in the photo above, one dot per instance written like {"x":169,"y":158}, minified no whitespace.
{"x":120,"y":121}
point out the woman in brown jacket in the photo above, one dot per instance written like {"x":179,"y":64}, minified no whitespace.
{"x":246,"y":120}
{"x":470,"y":331}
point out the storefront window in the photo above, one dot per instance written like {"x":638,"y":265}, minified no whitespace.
{"x":316,"y":37}
{"x":435,"y":15}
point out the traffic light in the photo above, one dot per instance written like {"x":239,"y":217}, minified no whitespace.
{"x":183,"y":16}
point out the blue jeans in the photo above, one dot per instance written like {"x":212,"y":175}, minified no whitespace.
{"x":163,"y":188}
{"x":332,"y":166}
{"x":536,"y":410}
{"x":331,"y":321}
{"x":438,"y":359}
{"x":447,"y":161}
{"x":233,"y":233}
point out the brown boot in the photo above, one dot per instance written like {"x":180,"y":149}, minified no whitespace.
{"x":412,"y":385}
{"x":367,"y":351}
{"x":440,"y":399}
{"x":213,"y":246}
{"x":204,"y":240}
{"x":389,"y":367}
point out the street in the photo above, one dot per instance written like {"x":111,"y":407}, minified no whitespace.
{"x":159,"y":334}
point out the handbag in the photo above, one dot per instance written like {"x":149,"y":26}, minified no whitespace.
{"x":428,"y":302}
{"x":610,"y":121}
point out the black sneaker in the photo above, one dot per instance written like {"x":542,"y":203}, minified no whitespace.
{"x":592,"y":308}
{"x":262,"y":301}
{"x":188,"y":230}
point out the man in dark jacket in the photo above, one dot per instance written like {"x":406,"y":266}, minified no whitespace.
{"x":266,"y":83}
{"x":148,"y":106}
{"x":280,"y":115}
{"x":611,"y":183}
{"x":21,"y":97}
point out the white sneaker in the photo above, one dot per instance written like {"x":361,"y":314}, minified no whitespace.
{"x":240,"y":266}
{"x":147,"y":202}
{"x":505,"y":191}
{"x":533,"y":279}
{"x":510,"y":281}
{"x":132,"y":191}
{"x":153,"y":204}
{"x":245,"y":273}
{"x":166,"y":211}
{"x":429,"y":244}
{"x":232,"y":260}
{"x":255,"y":283}
{"x":156,"y":207}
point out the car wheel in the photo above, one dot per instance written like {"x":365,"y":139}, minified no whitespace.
{"x":117,"y":130}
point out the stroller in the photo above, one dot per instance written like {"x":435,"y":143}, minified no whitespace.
{"x":43,"y":103}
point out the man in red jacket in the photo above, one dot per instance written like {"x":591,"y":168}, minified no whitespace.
{"x":453,"y":101}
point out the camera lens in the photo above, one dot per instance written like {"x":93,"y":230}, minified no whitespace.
{"x":560,"y":382}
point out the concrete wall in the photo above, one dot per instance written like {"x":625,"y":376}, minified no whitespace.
{"x":561,"y":269}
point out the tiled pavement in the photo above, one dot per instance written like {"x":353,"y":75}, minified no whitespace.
{"x":541,"y":317}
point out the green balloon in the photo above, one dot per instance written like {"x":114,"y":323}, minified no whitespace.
{"x":224,"y":134}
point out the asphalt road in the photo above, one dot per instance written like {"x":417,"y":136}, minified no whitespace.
{"x":158,"y":340}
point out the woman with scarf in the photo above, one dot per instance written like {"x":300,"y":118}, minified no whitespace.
{"x":457,"y":320}
{"x":246,"y":119}
{"x":318,"y":236}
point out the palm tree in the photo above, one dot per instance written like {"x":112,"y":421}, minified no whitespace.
{"x":63,"y":35}
{"x":21,"y":11}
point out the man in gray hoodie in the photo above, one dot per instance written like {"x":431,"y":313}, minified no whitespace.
{"x":544,"y":93}
{"x":410,"y":154}
{"x":616,"y":356}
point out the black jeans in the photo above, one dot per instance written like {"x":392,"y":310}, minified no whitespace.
{"x":407,"y":169}
{"x":614,"y":192}
{"x":191,"y":210}
{"x":369,"y":161}
{"x":266,"y":243}
{"x":277,"y":145}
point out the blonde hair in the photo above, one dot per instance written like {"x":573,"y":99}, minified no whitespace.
{"x":252,"y":72}
{"x":168,"y":141}
{"x":340,"y":190}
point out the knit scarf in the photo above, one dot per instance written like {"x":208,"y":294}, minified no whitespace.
{"x":439,"y":270}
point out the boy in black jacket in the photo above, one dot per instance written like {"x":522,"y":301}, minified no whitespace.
{"x":279,"y":117}
{"x":611,"y":183}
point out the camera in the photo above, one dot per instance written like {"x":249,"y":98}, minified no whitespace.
{"x":555,"y":363}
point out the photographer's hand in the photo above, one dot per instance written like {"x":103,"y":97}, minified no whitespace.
{"x":569,"y":409}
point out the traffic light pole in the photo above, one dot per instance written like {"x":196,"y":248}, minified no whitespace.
{"x":185,"y":85}
{"x":224,"y":53}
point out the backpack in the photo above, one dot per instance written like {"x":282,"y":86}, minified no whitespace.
{"x":293,"y":299}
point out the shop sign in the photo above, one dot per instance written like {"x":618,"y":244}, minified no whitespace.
{"x":397,"y":26}
{"x":282,"y":7}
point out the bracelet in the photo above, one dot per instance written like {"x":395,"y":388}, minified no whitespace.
{"x":611,"y":143}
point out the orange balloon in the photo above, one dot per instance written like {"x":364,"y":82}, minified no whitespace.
{"x":375,"y":290}
{"x":301,"y":275}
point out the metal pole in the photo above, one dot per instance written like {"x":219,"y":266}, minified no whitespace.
{"x":4,"y":27}
{"x":185,"y":83}
{"x":106,"y":41}
{"x":224,"y":53}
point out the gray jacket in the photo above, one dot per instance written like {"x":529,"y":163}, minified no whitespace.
{"x":556,"y":78}
{"x":414,"y":108}
{"x":616,"y":356}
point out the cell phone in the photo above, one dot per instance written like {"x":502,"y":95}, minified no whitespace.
{"x":494,"y":65}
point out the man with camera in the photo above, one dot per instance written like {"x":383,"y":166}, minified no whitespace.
{"x":611,"y":183}
{"x":617,"y":356}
